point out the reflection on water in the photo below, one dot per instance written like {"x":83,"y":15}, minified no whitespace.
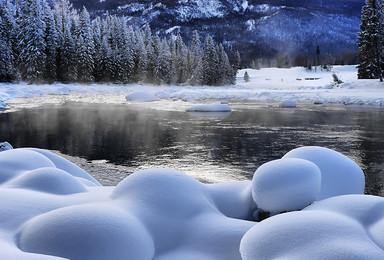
{"x":211,"y":147}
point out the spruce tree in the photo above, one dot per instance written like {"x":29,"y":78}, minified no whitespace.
{"x":51,"y":43}
{"x":210,"y":62}
{"x":31,"y":41}
{"x":371,"y":42}
{"x":85,"y":48}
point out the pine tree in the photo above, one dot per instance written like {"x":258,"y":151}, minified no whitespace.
{"x":31,"y":40}
{"x":8,"y":34}
{"x":51,"y":43}
{"x":246,"y":76}
{"x":196,"y":61}
{"x":371,"y":43}
{"x":210,"y":62}
{"x":85,"y":48}
{"x":236,"y":63}
{"x":164,"y":71}
{"x":225,"y":72}
{"x":140,"y":58}
{"x":68,"y":59}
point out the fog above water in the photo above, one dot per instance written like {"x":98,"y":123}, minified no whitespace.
{"x":211,"y":147}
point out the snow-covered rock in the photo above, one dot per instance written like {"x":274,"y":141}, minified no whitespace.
{"x":286,"y":184}
{"x":343,"y":227}
{"x":4,"y":146}
{"x":210,"y":108}
{"x":288,"y":104}
{"x":140,"y":96}
{"x":339,"y":174}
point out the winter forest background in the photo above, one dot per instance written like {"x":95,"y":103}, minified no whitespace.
{"x":43,"y":44}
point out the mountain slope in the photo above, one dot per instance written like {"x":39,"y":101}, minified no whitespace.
{"x":257,"y":28}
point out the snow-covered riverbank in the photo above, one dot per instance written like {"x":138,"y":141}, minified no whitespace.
{"x":270,"y":84}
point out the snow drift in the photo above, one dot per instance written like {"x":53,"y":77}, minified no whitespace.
{"x":52,"y":209}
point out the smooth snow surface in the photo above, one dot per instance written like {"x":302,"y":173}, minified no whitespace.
{"x":140,"y":96}
{"x":269,"y":84}
{"x":288,"y":104}
{"x":339,"y":174}
{"x":343,"y":227}
{"x":51,"y":209}
{"x":286,"y":184}
{"x":210,"y":108}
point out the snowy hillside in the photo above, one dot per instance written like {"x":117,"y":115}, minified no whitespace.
{"x":260,"y":28}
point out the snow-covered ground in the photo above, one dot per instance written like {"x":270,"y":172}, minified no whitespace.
{"x":270,"y":84}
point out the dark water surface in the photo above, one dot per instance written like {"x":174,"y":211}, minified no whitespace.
{"x":211,"y":147}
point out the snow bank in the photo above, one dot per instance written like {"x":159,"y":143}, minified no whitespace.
{"x":268,"y":84}
{"x":51,"y":209}
{"x":210,"y":108}
{"x":140,"y":96}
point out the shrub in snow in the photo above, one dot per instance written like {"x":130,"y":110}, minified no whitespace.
{"x":339,"y":174}
{"x":5,"y":146}
{"x":210,"y":108}
{"x":285,"y":185}
{"x":140,"y":96}
{"x":343,"y":227}
{"x":288,"y":104}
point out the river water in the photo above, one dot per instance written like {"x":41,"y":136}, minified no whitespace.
{"x":211,"y":147}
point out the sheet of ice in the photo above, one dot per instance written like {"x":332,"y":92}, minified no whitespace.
{"x":339,"y":174}
{"x":210,"y":108}
{"x":286,"y":185}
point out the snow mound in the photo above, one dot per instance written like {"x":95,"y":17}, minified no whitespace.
{"x":339,"y":174}
{"x":344,"y":227}
{"x":48,"y":179}
{"x":286,"y":184}
{"x":87,"y":232}
{"x":16,"y":162}
{"x":5,"y":146}
{"x":288,"y":104}
{"x":140,"y":96}
{"x":210,"y":108}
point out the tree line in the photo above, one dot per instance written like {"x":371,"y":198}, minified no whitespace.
{"x":40,"y":43}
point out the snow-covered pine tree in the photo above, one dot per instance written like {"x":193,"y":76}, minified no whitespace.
{"x":31,"y":41}
{"x":140,"y":57}
{"x":179,"y":57}
{"x":164,"y":71}
{"x":210,"y":62}
{"x":63,"y":13}
{"x":51,"y":43}
{"x":196,"y":67}
{"x":151,"y":55}
{"x":68,"y":65}
{"x":371,"y":42}
{"x":85,"y":48}
{"x":236,"y":63}
{"x":225,"y":72}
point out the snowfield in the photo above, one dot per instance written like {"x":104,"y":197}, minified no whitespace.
{"x":52,"y":209}
{"x":269,"y":84}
